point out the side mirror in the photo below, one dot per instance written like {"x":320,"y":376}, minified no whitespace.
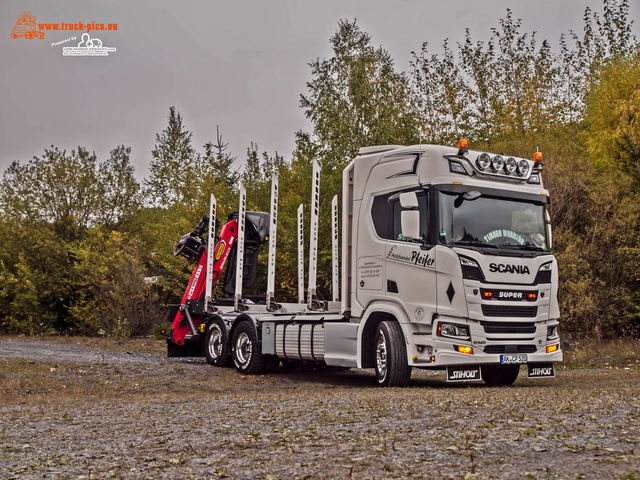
{"x":410,"y":220}
{"x":410,"y":216}
{"x":409,"y":200}
{"x":472,"y":195}
{"x":547,"y":219}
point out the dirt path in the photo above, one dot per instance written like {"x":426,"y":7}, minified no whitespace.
{"x":87,"y":411}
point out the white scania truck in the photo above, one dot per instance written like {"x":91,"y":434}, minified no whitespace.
{"x":445,"y":263}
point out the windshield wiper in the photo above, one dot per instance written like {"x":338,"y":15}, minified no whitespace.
{"x":523,"y":247}
{"x":473,"y":243}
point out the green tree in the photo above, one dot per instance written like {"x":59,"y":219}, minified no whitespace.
{"x":442,"y":97}
{"x":172,"y":164}
{"x":356,"y":98}
{"x":118,"y":190}
{"x":118,"y":298}
{"x":613,"y":116}
{"x":56,"y":188}
{"x":218,"y":174}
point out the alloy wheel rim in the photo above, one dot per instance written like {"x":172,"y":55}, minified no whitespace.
{"x":381,"y":356}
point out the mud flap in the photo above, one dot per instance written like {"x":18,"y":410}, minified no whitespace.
{"x":189,"y":349}
{"x":540,"y":370}
{"x":463,"y":373}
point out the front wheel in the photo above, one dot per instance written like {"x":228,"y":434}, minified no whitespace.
{"x":247,"y":356}
{"x":216,"y":344}
{"x":499,"y":375}
{"x":392,"y":369}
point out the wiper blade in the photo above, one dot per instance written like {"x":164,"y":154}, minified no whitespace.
{"x":523,"y":247}
{"x":473,"y":243}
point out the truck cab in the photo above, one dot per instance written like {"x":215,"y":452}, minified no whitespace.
{"x":454,"y":246}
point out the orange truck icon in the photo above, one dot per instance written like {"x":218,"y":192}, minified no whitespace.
{"x":26,"y":27}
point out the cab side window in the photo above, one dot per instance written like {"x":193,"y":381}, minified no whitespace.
{"x":385,"y":213}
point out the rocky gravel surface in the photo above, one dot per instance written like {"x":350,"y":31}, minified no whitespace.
{"x":87,"y":411}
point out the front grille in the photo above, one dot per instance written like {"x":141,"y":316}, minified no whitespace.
{"x":510,"y":349}
{"x":508,"y":327}
{"x":509,"y":311}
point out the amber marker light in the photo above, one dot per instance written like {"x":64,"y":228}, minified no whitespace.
{"x":552,"y":348}
{"x":463,"y":146}
{"x":537,"y":158}
{"x":465,"y":349}
{"x":487,"y":294}
{"x":532,"y":296}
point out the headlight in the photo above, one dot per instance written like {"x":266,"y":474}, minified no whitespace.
{"x":483,"y":161}
{"x":467,"y":262}
{"x":552,"y":332}
{"x":497,"y":163}
{"x":523,"y":168}
{"x":453,"y":330}
{"x":510,"y":165}
{"x":471,"y":270}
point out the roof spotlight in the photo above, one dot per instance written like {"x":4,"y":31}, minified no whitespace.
{"x":510,"y":165}
{"x":523,"y":168}
{"x":483,"y":161}
{"x":497,"y":163}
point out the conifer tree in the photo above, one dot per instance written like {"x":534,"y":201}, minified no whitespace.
{"x":172,"y":165}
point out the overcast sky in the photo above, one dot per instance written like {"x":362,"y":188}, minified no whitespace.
{"x":238,"y":64}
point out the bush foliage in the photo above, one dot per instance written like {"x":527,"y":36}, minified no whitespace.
{"x":85,"y":248}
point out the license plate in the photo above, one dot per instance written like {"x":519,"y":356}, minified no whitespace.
{"x":513,"y":359}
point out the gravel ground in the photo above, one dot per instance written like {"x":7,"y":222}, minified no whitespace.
{"x":81,"y":412}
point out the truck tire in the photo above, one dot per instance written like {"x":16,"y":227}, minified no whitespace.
{"x":216,"y":344}
{"x":392,"y":369}
{"x":499,"y":375}
{"x":247,"y":356}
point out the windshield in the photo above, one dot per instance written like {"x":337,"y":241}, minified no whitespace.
{"x":491,"y":221}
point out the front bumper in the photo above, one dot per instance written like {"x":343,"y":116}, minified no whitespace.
{"x":488,"y":341}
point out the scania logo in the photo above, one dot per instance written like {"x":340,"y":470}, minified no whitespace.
{"x":502,"y":268}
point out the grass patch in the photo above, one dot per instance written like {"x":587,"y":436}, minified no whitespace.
{"x":612,"y":354}
{"x":23,"y":381}
{"x":112,"y":344}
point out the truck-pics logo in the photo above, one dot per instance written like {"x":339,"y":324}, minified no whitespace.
{"x":502,"y":268}
{"x":414,"y":257}
{"x":26,"y":27}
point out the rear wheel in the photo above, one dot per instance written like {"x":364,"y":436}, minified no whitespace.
{"x":499,"y":375}
{"x":392,"y":369}
{"x":247,"y":356}
{"x":216,"y":344}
